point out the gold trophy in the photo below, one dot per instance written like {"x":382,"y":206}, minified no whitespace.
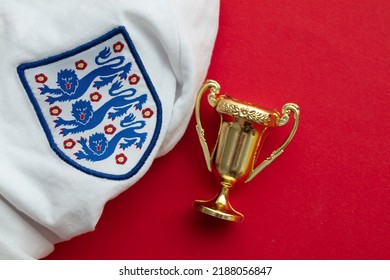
{"x":242,"y":130}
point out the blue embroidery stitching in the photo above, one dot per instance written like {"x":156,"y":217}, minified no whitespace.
{"x":71,"y":87}
{"x":85,"y":118}
{"x":97,"y":147}
{"x":119,"y":105}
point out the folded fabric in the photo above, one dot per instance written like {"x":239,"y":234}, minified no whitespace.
{"x":92,"y":92}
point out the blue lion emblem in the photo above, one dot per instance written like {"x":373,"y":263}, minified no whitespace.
{"x":85,"y":118}
{"x":97,"y":147}
{"x":70,"y":87}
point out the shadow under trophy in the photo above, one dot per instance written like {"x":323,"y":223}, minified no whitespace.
{"x":242,"y":130}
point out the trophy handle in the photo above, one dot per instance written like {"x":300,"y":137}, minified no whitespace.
{"x":286,"y":111}
{"x":212,"y":99}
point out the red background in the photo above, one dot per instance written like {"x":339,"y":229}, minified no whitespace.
{"x":327,"y":196}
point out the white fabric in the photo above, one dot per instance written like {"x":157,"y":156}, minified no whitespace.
{"x":44,"y":200}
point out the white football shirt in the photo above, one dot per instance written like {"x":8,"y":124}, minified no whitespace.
{"x":91,"y":91}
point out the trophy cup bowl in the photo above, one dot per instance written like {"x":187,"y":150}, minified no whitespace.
{"x":243,"y":128}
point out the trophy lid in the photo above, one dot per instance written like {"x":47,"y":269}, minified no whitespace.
{"x":247,"y":111}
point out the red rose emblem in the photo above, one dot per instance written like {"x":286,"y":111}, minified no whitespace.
{"x":109,"y":129}
{"x":147,"y":113}
{"x":134,"y":79}
{"x":118,"y":47}
{"x":80,"y":64}
{"x":120,"y":159}
{"x":55,"y":111}
{"x":95,"y":96}
{"x":40,"y":78}
{"x":69,"y":144}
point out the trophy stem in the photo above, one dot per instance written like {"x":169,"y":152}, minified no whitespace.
{"x":219,"y":206}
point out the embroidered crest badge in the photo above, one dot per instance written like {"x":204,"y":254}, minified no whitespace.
{"x":97,"y":105}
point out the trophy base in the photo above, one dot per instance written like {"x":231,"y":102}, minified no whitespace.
{"x":217,"y":210}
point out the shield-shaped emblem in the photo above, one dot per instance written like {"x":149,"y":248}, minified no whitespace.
{"x":97,"y":105}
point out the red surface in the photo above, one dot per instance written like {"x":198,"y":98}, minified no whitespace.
{"x":327,"y":196}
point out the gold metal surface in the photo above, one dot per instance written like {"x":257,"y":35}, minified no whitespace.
{"x":241,"y":132}
{"x":286,"y":111}
{"x":214,"y":88}
{"x":246,"y":111}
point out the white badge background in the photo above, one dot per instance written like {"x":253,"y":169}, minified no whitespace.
{"x":107,"y":166}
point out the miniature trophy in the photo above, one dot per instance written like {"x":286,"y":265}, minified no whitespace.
{"x":243,"y":127}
